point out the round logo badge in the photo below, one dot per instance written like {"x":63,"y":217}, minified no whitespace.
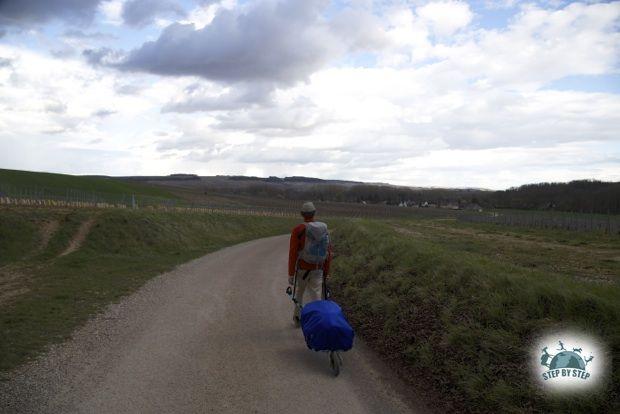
{"x":569,"y":361}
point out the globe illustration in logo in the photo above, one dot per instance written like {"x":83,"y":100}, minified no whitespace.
{"x":567,"y":359}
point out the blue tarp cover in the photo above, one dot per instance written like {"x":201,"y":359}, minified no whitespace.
{"x":325,"y":327}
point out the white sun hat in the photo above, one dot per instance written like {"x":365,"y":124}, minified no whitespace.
{"x":308,"y":207}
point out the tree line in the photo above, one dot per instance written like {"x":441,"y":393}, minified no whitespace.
{"x":584,"y":196}
{"x":581,"y":196}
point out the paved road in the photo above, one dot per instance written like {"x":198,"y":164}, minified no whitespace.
{"x":214,"y":335}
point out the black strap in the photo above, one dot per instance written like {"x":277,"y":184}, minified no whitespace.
{"x":295,"y":283}
{"x":325,"y":288}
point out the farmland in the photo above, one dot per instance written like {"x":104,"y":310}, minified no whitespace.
{"x":281,"y":197}
{"x":43,"y":189}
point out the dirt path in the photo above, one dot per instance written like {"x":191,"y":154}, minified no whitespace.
{"x":12,"y":283}
{"x":48,"y":230}
{"x":215,"y":335}
{"x":14,"y":278}
{"x":79,"y":237}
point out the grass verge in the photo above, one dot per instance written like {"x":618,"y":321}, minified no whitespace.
{"x":454,"y":307}
{"x":46,"y":295}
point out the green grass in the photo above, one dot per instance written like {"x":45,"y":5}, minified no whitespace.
{"x":59,"y":183}
{"x":455,"y":306}
{"x":568,"y":237}
{"x":584,"y":255}
{"x":16,"y":237}
{"x":53,"y":295}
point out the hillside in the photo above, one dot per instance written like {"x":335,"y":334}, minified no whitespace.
{"x":582,"y":196}
{"x":455,"y":306}
{"x":59,"y":184}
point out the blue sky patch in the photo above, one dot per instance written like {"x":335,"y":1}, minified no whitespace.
{"x":609,"y":83}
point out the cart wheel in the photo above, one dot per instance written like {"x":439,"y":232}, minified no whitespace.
{"x":335,"y":361}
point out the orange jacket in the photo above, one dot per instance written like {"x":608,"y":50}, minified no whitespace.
{"x":298,"y":239}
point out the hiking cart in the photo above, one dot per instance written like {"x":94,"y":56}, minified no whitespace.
{"x":325,"y":328}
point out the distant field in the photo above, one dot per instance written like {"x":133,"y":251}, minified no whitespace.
{"x":225,"y":194}
{"x":91,"y":190}
{"x":454,"y":305}
{"x":60,"y":183}
{"x":608,"y":223}
{"x":59,"y":267}
{"x":324,"y":208}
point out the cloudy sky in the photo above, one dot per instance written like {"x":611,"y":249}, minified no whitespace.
{"x":425,"y":93}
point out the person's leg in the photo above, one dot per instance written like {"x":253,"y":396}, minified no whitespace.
{"x":300,"y":287}
{"x":314,"y":286}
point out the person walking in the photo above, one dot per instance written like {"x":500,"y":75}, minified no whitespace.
{"x":309,"y":259}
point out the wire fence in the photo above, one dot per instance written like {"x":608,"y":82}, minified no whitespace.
{"x":609,"y":223}
{"x":75,"y":198}
{"x":71,"y":197}
{"x":37,"y":196}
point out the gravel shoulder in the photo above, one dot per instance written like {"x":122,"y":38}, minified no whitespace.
{"x":213,"y":335}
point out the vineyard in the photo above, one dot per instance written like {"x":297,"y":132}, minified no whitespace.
{"x":67,"y":197}
{"x":74,"y":198}
{"x":609,"y":223}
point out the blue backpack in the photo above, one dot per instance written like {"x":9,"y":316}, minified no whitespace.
{"x":325,"y":328}
{"x":316,"y":244}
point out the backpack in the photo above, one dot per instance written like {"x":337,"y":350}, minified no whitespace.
{"x":316,"y":244}
{"x":325,"y":327}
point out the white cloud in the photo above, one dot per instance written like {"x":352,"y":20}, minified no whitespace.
{"x":67,"y":112}
{"x":408,"y":36}
{"x":446,"y":17}
{"x":143,"y":12}
{"x":281,"y":42}
{"x":203,"y":14}
{"x":446,"y":104}
{"x":543,"y":45}
{"x":112,"y":11}
{"x":539,"y":46}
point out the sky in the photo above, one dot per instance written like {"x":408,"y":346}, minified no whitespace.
{"x":484,"y":94}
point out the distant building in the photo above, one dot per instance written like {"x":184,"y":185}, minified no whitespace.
{"x":473,"y":207}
